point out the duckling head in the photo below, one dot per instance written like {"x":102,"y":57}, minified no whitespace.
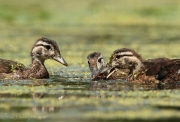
{"x":96,"y":62}
{"x":126,"y":59}
{"x":44,"y":49}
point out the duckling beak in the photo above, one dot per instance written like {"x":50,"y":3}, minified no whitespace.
{"x":94,"y":74}
{"x":109,"y":70}
{"x":60,"y":59}
{"x":97,"y":76}
{"x":104,"y":69}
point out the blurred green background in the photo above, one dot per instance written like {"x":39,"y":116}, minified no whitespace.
{"x":80,"y":27}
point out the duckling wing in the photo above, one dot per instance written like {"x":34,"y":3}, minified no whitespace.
{"x":171,"y":71}
{"x":154,"y":66}
{"x":8,"y":66}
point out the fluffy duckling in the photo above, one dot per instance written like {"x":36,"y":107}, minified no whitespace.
{"x":146,"y":71}
{"x":42,"y":50}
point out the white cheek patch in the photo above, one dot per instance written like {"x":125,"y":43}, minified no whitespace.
{"x":133,"y":58}
{"x":99,"y":65}
{"x":51,"y":52}
{"x":104,"y":62}
{"x":42,"y":45}
{"x":36,"y":49}
{"x":137,"y":61}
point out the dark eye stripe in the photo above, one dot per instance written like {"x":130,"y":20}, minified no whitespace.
{"x":127,"y":55}
{"x":120,"y":56}
{"x":46,"y":46}
{"x":41,"y":45}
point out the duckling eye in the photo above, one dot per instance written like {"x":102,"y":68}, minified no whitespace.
{"x":47,"y":47}
{"x":118,"y":56}
{"x":99,"y":60}
{"x":130,"y":63}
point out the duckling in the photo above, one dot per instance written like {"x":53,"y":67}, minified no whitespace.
{"x":128,"y":59}
{"x":102,"y":70}
{"x":146,"y":71}
{"x":96,"y":62}
{"x":42,"y":50}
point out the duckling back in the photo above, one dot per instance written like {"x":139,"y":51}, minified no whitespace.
{"x":8,"y":66}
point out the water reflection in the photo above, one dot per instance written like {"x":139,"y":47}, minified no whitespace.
{"x":121,"y":85}
{"x":33,"y":82}
{"x":62,"y":98}
{"x":43,"y":109}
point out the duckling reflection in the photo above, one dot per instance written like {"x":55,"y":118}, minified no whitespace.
{"x":45,"y":108}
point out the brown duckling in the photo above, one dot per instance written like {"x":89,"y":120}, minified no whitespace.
{"x":42,"y":50}
{"x":101,"y":70}
{"x":128,"y":59}
{"x":146,"y":71}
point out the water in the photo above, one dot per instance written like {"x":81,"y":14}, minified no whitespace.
{"x":75,"y":98}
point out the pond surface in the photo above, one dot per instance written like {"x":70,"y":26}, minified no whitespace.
{"x":73,"y":97}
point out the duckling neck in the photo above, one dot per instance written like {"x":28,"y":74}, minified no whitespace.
{"x":139,"y":67}
{"x":38,"y":69}
{"x":38,"y":62}
{"x":36,"y":59}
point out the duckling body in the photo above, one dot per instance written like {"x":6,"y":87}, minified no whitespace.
{"x":170,"y":72}
{"x":155,"y":65}
{"x":7,"y":66}
{"x":42,"y":50}
{"x":151,"y":71}
{"x":36,"y":70}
